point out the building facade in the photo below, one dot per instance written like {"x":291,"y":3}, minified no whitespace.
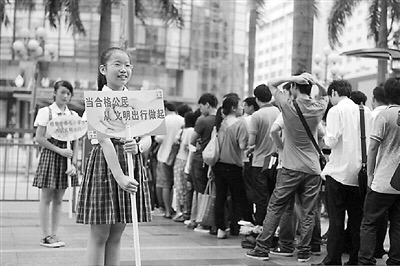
{"x":206,"y":55}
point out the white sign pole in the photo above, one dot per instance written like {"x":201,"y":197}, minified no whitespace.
{"x":131,"y":168}
{"x":69,"y":182}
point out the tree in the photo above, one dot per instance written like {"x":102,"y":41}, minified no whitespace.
{"x":379,"y":10}
{"x":303,"y":29}
{"x":54,"y":10}
{"x":256,"y":7}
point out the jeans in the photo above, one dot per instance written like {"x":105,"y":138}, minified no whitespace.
{"x":342,"y":198}
{"x":290,"y":182}
{"x":375,"y":207}
{"x":229,"y":177}
{"x":263,"y":186}
{"x":288,"y":224}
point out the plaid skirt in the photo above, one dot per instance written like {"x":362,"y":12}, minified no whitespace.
{"x":50,"y":172}
{"x":101,"y":200}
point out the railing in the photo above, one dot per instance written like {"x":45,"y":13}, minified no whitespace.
{"x":18,"y":162}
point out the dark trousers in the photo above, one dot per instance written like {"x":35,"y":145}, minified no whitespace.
{"x":199,"y":176}
{"x":342,"y":198}
{"x":263,"y":186}
{"x":375,"y":207}
{"x":248,"y":185}
{"x":228,"y":177}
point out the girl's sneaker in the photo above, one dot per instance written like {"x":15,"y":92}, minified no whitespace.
{"x":49,"y":242}
{"x":58,"y":240}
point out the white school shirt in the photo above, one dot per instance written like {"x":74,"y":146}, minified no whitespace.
{"x":343,"y":136}
{"x":173,"y":123}
{"x":84,"y":116}
{"x":43,"y":115}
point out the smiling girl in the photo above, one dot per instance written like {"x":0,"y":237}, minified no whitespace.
{"x":52,"y":173}
{"x":104,"y":199}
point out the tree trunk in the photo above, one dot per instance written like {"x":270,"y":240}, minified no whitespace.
{"x":105,"y":26}
{"x":252,"y":47}
{"x":382,"y":42}
{"x":303,"y":27}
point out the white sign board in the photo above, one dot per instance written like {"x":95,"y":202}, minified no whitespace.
{"x":109,"y":113}
{"x":67,"y":127}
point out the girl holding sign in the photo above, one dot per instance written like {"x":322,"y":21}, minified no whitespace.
{"x":52,"y":173}
{"x":104,"y":199}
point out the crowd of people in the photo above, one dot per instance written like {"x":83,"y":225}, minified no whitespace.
{"x":270,"y":173}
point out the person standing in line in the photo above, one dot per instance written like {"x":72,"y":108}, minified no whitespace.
{"x":379,"y":102}
{"x":343,"y":136}
{"x":104,"y":198}
{"x":382,"y":198}
{"x":300,"y":163}
{"x":180,"y":179}
{"x":228,"y":171}
{"x":52,"y":173}
{"x":262,"y":147}
{"x":199,"y":140}
{"x":249,"y":107}
{"x":165,"y":171}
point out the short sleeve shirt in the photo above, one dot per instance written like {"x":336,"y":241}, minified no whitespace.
{"x":185,"y":141}
{"x":260,"y":126}
{"x":43,"y":115}
{"x":386,"y":131}
{"x":231,"y":135}
{"x":203,"y":127}
{"x":299,"y":153}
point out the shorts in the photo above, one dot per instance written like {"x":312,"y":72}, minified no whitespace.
{"x":165,"y":175}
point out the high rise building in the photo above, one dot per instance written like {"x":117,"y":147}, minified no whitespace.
{"x":274,"y":46}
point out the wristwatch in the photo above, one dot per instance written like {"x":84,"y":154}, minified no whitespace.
{"x":140,"y":147}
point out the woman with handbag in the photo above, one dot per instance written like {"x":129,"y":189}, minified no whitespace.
{"x":228,"y":171}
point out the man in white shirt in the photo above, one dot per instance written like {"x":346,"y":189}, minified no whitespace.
{"x":343,"y":136}
{"x":165,"y":172}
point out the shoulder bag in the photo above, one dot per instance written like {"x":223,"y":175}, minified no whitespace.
{"x":174,"y":151}
{"x":212,"y":150}
{"x":362,"y":174}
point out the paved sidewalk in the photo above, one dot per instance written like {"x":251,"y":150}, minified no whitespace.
{"x":163,"y":242}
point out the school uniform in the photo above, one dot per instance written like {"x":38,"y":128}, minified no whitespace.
{"x":101,"y":200}
{"x":51,"y":169}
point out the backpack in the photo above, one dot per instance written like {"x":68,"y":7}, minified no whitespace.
{"x":212,"y":151}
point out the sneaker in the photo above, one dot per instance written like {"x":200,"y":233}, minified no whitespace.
{"x":179,"y":218}
{"x":202,"y":229}
{"x":186,"y":222}
{"x":281,"y":252}
{"x":58,"y":240}
{"x":158,"y":212}
{"x":303,"y":257}
{"x":49,"y":242}
{"x":222,"y":234}
{"x":257,"y":255}
{"x":191,"y":225}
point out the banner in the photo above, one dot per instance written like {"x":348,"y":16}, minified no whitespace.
{"x":67,"y":127}
{"x":109,"y":112}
